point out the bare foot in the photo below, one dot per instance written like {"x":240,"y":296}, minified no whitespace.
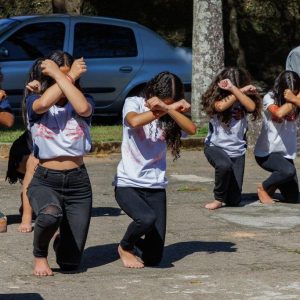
{"x":129,"y":259}
{"x":25,"y":225}
{"x":264,"y":196}
{"x":214,"y":205}
{"x":41,"y":267}
{"x":3,"y":223}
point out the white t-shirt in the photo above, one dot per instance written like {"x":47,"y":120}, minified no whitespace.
{"x":143,"y":163}
{"x":60,"y":131}
{"x":274,"y":136}
{"x":231,"y":137}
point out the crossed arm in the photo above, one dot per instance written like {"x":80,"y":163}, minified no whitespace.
{"x":63,"y":86}
{"x":236,"y":95}
{"x":159,"y":108}
{"x":279,"y":112}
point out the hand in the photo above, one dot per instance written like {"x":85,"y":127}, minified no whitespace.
{"x":156,"y":104}
{"x":2,"y":95}
{"x":34,"y":86}
{"x":249,"y":89}
{"x":78,"y":68}
{"x":50,"y":68}
{"x":180,"y":106}
{"x":225,"y":84}
{"x":288,"y":95}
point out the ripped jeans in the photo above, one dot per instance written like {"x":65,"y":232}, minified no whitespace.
{"x":61,"y":200}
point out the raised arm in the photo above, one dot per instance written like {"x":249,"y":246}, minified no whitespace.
{"x":71,"y":92}
{"x":135,"y":119}
{"x":175,"y":110}
{"x":290,"y":97}
{"x":64,"y":87}
{"x":280,"y":112}
{"x":236,"y":95}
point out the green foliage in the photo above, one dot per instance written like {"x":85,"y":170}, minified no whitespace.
{"x":172,"y":19}
{"x":15,"y":7}
{"x":268,"y":30}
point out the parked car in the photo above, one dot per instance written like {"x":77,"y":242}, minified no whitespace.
{"x":121,"y":55}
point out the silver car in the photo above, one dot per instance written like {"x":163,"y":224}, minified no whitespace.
{"x":121,"y":55}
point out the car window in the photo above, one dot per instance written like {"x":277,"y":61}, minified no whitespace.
{"x":6,"y":24}
{"x":101,"y":40}
{"x":34,"y":41}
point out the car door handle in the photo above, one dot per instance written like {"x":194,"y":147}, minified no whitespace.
{"x":126,"y":69}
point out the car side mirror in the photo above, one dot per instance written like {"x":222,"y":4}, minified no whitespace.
{"x":3,"y":52}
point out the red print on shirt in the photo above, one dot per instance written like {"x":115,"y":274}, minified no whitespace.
{"x":75,"y":133}
{"x":45,"y":132}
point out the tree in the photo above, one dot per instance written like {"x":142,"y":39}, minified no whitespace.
{"x":208,"y":49}
{"x":67,"y":6}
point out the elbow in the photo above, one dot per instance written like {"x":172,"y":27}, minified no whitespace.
{"x":10,"y":122}
{"x":133,"y":123}
{"x":278,"y":114}
{"x":191,"y":130}
{"x":251,"y":109}
{"x":218,"y":108}
{"x":41,"y":108}
{"x":250,"y":106}
{"x":84,"y":111}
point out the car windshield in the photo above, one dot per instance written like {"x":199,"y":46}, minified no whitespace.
{"x":6,"y":24}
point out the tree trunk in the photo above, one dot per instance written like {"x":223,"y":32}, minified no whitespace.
{"x":208,"y":50}
{"x":67,"y":6}
{"x":59,"y":6}
{"x":234,"y":37}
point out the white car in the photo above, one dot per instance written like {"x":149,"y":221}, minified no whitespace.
{"x":121,"y":55}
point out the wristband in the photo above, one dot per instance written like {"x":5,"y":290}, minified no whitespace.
{"x":70,"y":78}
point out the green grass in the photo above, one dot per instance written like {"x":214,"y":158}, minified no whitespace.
{"x":100,"y":133}
{"x":106,"y":133}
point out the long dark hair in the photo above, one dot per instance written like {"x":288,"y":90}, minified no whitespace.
{"x":61,"y":58}
{"x":167,"y":85}
{"x":240,"y":78}
{"x":285,"y":80}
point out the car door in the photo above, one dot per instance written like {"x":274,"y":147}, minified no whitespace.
{"x":113,"y":57}
{"x":32,"y":39}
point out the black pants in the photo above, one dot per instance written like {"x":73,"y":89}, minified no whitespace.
{"x":61,"y":199}
{"x":283,"y":177}
{"x":147,"y":208}
{"x":229,"y":174}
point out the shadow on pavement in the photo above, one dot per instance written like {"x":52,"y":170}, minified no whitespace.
{"x":96,"y":212}
{"x":248,"y":198}
{"x":100,"y":255}
{"x":13,"y":219}
{"x":22,"y":296}
{"x":106,"y":212}
{"x":178,"y":251}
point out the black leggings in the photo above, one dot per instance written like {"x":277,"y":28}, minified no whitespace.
{"x":229,"y":174}
{"x":61,"y":199}
{"x":283,"y":177}
{"x":147,"y":208}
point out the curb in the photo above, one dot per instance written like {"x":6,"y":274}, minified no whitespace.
{"x":104,"y":148}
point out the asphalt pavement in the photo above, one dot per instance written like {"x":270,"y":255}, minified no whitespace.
{"x":247,"y":252}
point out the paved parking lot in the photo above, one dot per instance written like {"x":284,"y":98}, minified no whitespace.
{"x":248,"y":252}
